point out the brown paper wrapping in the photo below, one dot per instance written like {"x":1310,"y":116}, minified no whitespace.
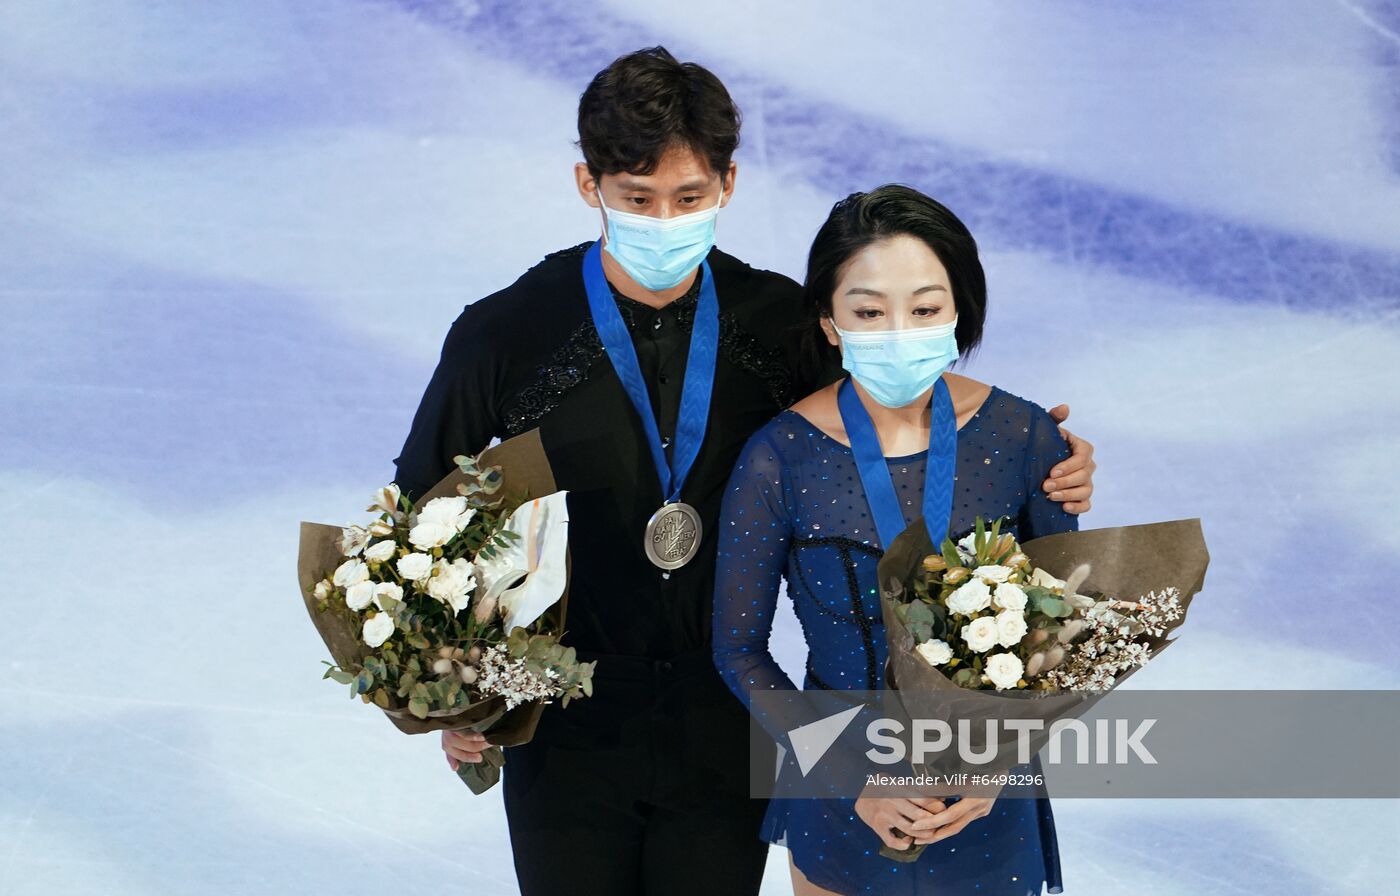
{"x":524,"y":471}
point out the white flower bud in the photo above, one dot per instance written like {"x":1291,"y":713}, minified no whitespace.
{"x":380,"y":551}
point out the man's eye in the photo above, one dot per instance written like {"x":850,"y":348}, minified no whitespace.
{"x":690,"y":200}
{"x":637,"y":200}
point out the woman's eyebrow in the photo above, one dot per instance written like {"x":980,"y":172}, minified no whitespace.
{"x":866,"y":291}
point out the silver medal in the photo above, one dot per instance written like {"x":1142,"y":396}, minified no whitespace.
{"x":673,"y":535}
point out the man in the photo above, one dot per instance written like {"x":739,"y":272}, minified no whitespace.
{"x":642,"y":788}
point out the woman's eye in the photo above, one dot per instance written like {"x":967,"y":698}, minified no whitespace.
{"x":868,"y":313}
{"x":927,"y":312}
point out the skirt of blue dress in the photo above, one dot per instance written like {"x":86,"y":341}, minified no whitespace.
{"x":1012,"y":851}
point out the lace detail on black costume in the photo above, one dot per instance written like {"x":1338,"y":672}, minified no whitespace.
{"x":571,"y":363}
{"x":580,"y":250}
{"x":567,"y":367}
{"x":745,"y":351}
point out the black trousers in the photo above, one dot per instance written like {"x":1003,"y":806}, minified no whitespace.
{"x":640,"y":789}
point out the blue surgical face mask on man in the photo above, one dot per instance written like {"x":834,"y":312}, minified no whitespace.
{"x":658,"y":253}
{"x":897,"y":366}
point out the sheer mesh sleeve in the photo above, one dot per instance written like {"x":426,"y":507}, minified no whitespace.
{"x":754,"y":531}
{"x":1045,"y":447}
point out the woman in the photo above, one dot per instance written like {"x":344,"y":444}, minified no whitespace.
{"x":893,"y":284}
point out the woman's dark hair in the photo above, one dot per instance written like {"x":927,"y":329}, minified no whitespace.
{"x":865,"y":218}
{"x":645,"y":103}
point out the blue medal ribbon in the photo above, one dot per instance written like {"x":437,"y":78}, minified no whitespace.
{"x":699,"y":370}
{"x":875,"y":472}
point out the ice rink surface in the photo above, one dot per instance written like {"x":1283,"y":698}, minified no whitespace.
{"x":233,"y":235}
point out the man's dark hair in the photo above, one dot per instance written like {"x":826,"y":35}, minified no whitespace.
{"x":645,"y":103}
{"x":864,"y":218}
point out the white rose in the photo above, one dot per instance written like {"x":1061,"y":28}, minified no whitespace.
{"x":452,"y":583}
{"x":1009,"y":596}
{"x":994,"y":573}
{"x":935,"y":652}
{"x":431,"y":534}
{"x":378,"y":628}
{"x":353,"y":540}
{"x":980,"y":634}
{"x":1011,"y":627}
{"x":358,"y":595}
{"x":323,"y":589}
{"x":415,"y":567}
{"x":380,"y":550}
{"x":349,"y":573}
{"x":386,"y":500}
{"x":1043,"y":579}
{"x":451,"y":512}
{"x":387,"y":589}
{"x":970,"y":597}
{"x":444,"y":508}
{"x":1004,"y":670}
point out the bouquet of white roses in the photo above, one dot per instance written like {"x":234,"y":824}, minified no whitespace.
{"x":980,"y":612}
{"x":447,"y":614}
{"x":985,"y":630}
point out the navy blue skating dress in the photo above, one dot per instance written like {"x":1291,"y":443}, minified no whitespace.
{"x":795,"y":510}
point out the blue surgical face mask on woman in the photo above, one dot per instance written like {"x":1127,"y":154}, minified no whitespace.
{"x":659,"y":252}
{"x":897,"y":366}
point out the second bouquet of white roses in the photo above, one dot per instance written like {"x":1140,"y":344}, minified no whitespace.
{"x":447,"y":613}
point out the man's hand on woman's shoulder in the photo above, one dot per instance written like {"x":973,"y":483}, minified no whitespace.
{"x":1071,"y":481}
